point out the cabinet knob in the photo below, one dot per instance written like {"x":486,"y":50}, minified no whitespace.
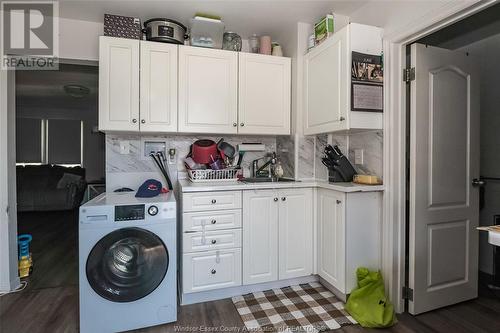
{"x":214,"y":201}
{"x":339,"y":202}
{"x":143,"y":121}
{"x":342,"y":118}
{"x":213,"y":221}
{"x":134,"y":121}
{"x":213,"y":271}
{"x":275,"y":199}
{"x":242,"y":124}
{"x":214,"y":241}
{"x":235,"y":124}
{"x":283,"y":198}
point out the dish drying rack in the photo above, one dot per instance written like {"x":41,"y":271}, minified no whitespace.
{"x":209,"y":175}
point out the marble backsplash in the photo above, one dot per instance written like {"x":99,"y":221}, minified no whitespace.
{"x":121,"y":167}
{"x":371,"y":142}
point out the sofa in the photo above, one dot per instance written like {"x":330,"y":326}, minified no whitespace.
{"x":49,"y":187}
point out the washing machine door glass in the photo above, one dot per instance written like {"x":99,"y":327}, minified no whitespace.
{"x":127,"y":264}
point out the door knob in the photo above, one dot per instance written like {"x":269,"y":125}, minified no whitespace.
{"x":342,"y":118}
{"x":235,"y":124}
{"x":213,"y":271}
{"x":214,"y":241}
{"x":214,"y":221}
{"x":214,"y":201}
{"x":283,"y":198}
{"x":275,"y":199}
{"x":134,"y":120}
{"x":143,"y":121}
{"x":242,"y":124}
{"x":478,"y":182}
{"x":339,"y":202}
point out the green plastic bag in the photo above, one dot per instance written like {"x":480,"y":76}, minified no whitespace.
{"x":367,"y":303}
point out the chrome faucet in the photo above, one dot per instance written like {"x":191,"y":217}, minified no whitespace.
{"x":257,"y":172}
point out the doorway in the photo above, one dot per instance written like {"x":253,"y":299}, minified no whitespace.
{"x":59,"y":155}
{"x":452,"y":96}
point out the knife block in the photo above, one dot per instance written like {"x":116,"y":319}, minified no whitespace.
{"x":334,"y":176}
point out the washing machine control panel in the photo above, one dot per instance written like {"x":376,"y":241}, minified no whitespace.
{"x":129,"y":213}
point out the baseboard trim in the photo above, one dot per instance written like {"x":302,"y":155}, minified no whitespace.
{"x":340,"y":295}
{"x":217,"y":294}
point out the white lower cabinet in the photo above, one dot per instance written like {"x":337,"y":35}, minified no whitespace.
{"x":211,"y":270}
{"x":295,"y":233}
{"x":260,"y":236}
{"x":277,"y":234}
{"x":349,"y":236}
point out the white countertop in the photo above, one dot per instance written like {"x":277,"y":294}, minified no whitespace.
{"x":187,"y":186}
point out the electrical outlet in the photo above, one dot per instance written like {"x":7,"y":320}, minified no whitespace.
{"x":124,"y":147}
{"x":172,"y":156}
{"x":358,"y":156}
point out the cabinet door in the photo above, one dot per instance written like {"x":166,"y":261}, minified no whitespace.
{"x":158,"y":87}
{"x":264,"y":94}
{"x":260,"y":236}
{"x":326,"y":85}
{"x":118,"y":84}
{"x":331,"y":237}
{"x":208,"y":90}
{"x":295,"y":233}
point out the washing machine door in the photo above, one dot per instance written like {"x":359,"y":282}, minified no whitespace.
{"x":127,"y":264}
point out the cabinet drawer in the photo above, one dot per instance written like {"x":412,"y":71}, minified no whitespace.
{"x":227,"y":219}
{"x":211,"y":240}
{"x":211,"y":270}
{"x":211,"y":201}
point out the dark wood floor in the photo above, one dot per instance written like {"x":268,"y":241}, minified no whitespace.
{"x":50,"y":302}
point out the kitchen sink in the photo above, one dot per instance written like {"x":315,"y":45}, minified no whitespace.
{"x":266,"y":180}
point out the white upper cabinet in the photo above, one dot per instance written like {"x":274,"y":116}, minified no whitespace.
{"x":158,"y":81}
{"x":208,"y":90}
{"x":264,"y":94}
{"x":118,"y":84}
{"x":295,"y":233}
{"x":327,"y":81}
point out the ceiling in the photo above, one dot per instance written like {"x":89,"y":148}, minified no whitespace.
{"x":467,"y":31}
{"x":46,"y":88}
{"x":243,"y":17}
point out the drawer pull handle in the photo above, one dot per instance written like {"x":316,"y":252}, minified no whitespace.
{"x":213,"y":271}
{"x":214,"y":201}
{"x":339,"y":202}
{"x":214,"y":241}
{"x":214,"y":221}
{"x":275,"y":199}
{"x":283,"y":199}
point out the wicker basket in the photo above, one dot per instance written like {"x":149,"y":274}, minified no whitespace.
{"x":224,"y":175}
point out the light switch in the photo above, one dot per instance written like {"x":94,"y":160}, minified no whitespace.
{"x":124,"y":147}
{"x":358,"y":156}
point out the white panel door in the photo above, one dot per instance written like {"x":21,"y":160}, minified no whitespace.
{"x":208,"y":90}
{"x":118,"y":84}
{"x":260,"y":236}
{"x":444,"y":204}
{"x":326,"y":79}
{"x":158,"y":80}
{"x":331,"y":237}
{"x":264,"y":94}
{"x":295,"y":233}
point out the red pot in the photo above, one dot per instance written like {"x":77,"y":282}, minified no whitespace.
{"x":203,"y":151}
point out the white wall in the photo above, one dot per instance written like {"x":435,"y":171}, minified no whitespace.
{"x":8,"y":212}
{"x":79,"y":39}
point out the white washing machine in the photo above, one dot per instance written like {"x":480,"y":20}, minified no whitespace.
{"x":127,"y":262}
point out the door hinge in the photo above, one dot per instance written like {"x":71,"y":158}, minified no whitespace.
{"x":409,"y":74}
{"x":407,"y":293}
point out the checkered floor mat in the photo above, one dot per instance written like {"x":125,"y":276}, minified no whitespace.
{"x":305,"y":308}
